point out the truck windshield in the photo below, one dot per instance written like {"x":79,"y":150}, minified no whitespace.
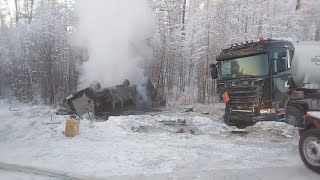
{"x":250,"y":66}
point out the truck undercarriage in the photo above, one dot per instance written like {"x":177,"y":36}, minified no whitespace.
{"x":121,"y":99}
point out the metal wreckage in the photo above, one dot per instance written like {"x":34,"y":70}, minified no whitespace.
{"x":95,"y":101}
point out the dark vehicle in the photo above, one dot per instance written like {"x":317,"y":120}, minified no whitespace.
{"x":309,"y":144}
{"x":255,"y":81}
{"x":94,"y":101}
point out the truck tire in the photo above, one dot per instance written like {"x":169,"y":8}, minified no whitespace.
{"x":294,"y":117}
{"x":309,"y":149}
{"x":226,"y":119}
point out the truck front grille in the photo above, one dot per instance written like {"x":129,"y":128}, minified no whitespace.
{"x":244,"y":97}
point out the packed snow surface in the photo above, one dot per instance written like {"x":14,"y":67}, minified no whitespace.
{"x":142,"y":145}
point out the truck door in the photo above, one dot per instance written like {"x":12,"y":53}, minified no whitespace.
{"x":281,"y":63}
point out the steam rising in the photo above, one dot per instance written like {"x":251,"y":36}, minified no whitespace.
{"x":115,"y":32}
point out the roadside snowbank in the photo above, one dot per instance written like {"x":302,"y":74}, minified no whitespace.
{"x":275,"y":129}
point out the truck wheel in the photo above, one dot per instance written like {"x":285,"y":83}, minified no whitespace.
{"x":309,"y":148}
{"x":294,"y":117}
{"x":227,"y":120}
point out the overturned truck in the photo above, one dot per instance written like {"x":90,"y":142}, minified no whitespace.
{"x":94,"y":101}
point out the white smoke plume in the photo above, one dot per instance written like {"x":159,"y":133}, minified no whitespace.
{"x":115,"y":33}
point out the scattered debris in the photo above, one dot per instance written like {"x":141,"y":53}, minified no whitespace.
{"x":189,"y":110}
{"x":138,"y":129}
{"x":161,"y":112}
{"x":62,"y":111}
{"x":181,"y":122}
{"x":49,"y":123}
{"x":11,"y":109}
{"x":180,"y":130}
{"x":169,"y":123}
{"x":239,"y":131}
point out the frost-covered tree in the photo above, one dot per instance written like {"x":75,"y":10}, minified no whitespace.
{"x":39,"y":64}
{"x":182,"y":57}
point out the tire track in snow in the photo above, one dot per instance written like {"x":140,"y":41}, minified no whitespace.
{"x":45,"y":172}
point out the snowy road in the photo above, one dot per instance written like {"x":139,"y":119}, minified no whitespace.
{"x":142,"y":147}
{"x":13,"y":175}
{"x":279,"y":173}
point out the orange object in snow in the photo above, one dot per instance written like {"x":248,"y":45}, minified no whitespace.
{"x":225,"y":97}
{"x":72,"y":128}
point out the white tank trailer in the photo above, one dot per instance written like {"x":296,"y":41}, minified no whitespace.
{"x":305,"y":97}
{"x":305,"y":71}
{"x":305,"y":68}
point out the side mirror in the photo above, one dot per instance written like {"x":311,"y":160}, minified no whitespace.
{"x":290,"y":84}
{"x":214,"y":72}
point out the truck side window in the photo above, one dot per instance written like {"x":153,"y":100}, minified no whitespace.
{"x":280,"y":61}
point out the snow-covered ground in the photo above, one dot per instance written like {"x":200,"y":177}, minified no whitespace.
{"x":141,"y":146}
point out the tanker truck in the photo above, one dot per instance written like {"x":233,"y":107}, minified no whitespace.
{"x":305,"y":97}
{"x":268,"y":80}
